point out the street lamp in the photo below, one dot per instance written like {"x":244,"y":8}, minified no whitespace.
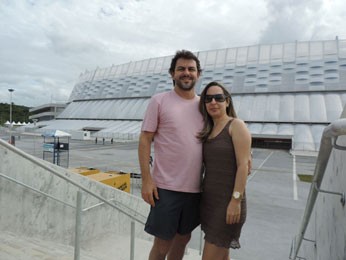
{"x":11,"y":90}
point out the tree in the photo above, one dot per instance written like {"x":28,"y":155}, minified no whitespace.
{"x":19,"y":113}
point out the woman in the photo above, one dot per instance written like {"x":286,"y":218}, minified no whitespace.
{"x":226,"y":150}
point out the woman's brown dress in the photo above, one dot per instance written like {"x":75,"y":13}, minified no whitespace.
{"x":221,"y":167}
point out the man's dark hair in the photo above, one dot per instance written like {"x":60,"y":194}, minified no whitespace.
{"x":184,"y":54}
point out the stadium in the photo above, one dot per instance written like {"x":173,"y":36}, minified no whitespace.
{"x":286,"y":93}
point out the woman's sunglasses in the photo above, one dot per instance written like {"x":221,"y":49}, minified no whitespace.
{"x":218,"y":98}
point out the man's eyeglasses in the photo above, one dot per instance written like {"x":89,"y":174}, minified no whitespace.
{"x":218,"y":98}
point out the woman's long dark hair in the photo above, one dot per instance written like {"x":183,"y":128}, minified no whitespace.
{"x":208,"y":121}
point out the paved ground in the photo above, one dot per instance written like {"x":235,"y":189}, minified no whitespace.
{"x":276,"y":198}
{"x":14,"y":247}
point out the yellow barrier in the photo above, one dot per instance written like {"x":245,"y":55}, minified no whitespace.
{"x":85,"y":170}
{"x":114,"y":179}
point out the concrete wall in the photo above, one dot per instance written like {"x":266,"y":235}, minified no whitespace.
{"x":327,"y":225}
{"x":28,"y":213}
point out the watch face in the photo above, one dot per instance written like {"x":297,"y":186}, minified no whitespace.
{"x":236,"y":195}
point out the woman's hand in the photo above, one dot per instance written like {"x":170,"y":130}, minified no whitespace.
{"x":233,"y":212}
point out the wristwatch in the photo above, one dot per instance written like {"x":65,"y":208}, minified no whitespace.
{"x":237,"y":195}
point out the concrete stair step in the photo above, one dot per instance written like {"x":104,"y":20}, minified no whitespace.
{"x":15,"y":247}
{"x":108,"y":247}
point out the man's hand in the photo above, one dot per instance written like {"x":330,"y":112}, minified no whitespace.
{"x":149,"y":192}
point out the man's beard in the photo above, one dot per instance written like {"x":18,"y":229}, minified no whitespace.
{"x":185,"y":86}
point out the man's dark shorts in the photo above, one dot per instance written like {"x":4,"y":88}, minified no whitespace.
{"x":174,"y":212}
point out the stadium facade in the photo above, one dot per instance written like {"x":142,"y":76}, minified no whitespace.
{"x":286,"y":93}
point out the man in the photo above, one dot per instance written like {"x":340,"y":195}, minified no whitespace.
{"x":173,"y":187}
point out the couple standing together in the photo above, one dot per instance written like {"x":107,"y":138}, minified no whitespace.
{"x":193,"y":135}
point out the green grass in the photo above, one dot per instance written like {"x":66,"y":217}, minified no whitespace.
{"x":305,"y":177}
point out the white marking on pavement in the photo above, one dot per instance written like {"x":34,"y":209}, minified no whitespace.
{"x":295,"y":189}
{"x":259,"y":167}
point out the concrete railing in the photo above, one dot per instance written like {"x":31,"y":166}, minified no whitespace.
{"x":118,"y":206}
{"x":27,"y":213}
{"x":79,"y":210}
{"x":330,"y":163}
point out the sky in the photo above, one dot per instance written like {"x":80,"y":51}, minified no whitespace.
{"x":46,"y":44}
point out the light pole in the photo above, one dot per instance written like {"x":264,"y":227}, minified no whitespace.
{"x":11,"y":90}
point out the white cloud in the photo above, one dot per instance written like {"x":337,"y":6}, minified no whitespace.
{"x":304,"y":20}
{"x":46,"y":44}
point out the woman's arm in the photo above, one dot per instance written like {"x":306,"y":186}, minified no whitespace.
{"x":242,"y":145}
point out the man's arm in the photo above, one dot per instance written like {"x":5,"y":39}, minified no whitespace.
{"x":149,"y":189}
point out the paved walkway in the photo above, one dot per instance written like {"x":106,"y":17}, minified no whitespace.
{"x":13,"y":247}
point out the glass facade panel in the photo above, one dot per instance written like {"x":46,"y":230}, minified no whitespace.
{"x":286,"y":111}
{"x":86,"y":76}
{"x":285,"y":129}
{"x":301,"y":108}
{"x":302,"y":49}
{"x":99,"y":73}
{"x":342,"y":49}
{"x":124,"y":69}
{"x":303,"y":138}
{"x":202,"y":56}
{"x":276,"y":52}
{"x":137,"y":68}
{"x":231,"y":56}
{"x":253,"y":54}
{"x":334,"y":106}
{"x":113,"y":72}
{"x":241,"y":56}
{"x":255,"y":128}
{"x":258,"y":109}
{"x":330,"y":48}
{"x":289,"y":52}
{"x":270,"y":129}
{"x":106,"y":72}
{"x":264,"y":55}
{"x":272,"y":108}
{"x":166,"y":64}
{"x":151,"y":65}
{"x":131,"y":68}
{"x":316,"y":50}
{"x":117,"y":71}
{"x":144,"y":66}
{"x":317,"y":108}
{"x":316,"y":131}
{"x":245,"y":107}
{"x":158,"y":65}
{"x":211,"y":58}
{"x":221,"y":57}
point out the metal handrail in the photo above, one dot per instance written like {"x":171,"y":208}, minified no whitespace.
{"x":102,"y":203}
{"x":36,"y":190}
{"x":133,"y":215}
{"x":328,"y":141}
{"x":52,"y":197}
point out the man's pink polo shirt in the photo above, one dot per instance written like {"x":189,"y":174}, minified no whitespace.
{"x":177,"y":151}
